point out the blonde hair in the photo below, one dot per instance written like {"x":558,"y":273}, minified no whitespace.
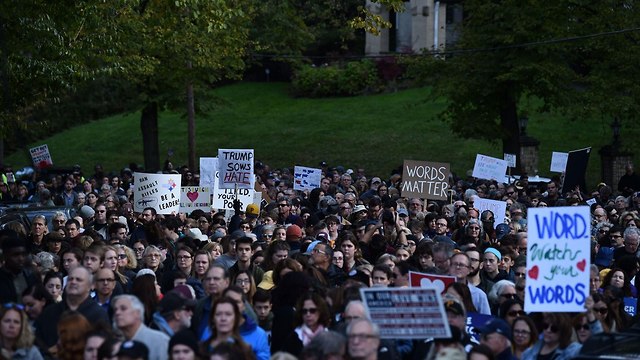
{"x":25,"y":337}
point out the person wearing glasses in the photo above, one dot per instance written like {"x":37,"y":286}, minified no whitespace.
{"x":500,"y":292}
{"x":524,"y":335}
{"x":105,"y":284}
{"x":556,"y":341}
{"x":16,"y":338}
{"x":363,"y":339}
{"x":311,"y":318}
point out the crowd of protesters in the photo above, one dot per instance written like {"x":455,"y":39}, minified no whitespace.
{"x":281,"y":279}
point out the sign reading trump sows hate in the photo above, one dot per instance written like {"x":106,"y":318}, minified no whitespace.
{"x":236,"y":168}
{"x":425,"y":180}
{"x":558,"y":259}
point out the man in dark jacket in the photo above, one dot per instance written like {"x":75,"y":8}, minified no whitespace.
{"x":14,"y":278}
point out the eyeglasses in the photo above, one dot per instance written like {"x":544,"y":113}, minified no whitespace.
{"x":61,"y":221}
{"x":309,"y":310}
{"x":582,"y":327}
{"x":105,"y":280}
{"x":602,"y":311}
{"x":243,"y":281}
{"x":122,"y":256}
{"x":268,"y":236}
{"x":603,"y":231}
{"x":508,"y":296}
{"x":283,"y":205}
{"x":13,"y":306}
{"x":516,"y":313}
{"x":550,"y":327}
{"x":139,"y":249}
{"x":459,"y":265}
{"x":101,"y":211}
{"x":184,"y":257}
{"x":245,"y":227}
{"x":521,"y":332}
{"x":318,"y":251}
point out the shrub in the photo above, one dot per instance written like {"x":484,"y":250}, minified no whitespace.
{"x":354,"y":78}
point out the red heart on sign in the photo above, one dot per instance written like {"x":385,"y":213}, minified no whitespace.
{"x":581,"y":264}
{"x":533,"y":272}
{"x":192,"y":196}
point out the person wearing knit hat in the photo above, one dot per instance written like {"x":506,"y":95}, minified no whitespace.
{"x":294,"y":235}
{"x":184,"y":345}
{"x":491,"y":272}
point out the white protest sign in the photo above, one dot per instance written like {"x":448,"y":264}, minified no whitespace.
{"x":158,"y":191}
{"x":510,"y":159}
{"x":208,"y":168}
{"x":559,"y":161}
{"x":41,"y":156}
{"x":223,"y":198}
{"x":558,"y":259}
{"x":236,"y":168}
{"x":306,"y":178}
{"x":498,"y":208}
{"x":407,"y":313}
{"x":195,"y":198}
{"x":489,"y":168}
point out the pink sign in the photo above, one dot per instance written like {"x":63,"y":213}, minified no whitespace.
{"x":439,"y":282}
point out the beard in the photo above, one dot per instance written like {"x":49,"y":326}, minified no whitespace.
{"x":474,"y":272}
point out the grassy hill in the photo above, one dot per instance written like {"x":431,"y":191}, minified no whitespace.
{"x":373,"y":132}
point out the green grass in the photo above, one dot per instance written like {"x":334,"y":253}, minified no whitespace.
{"x":373,"y":132}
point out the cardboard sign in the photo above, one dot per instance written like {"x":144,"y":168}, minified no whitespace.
{"x":158,"y":191}
{"x":406,"y":313}
{"x":223,"y":198}
{"x":558,"y":161}
{"x":475,"y":320}
{"x":208,"y":168}
{"x":306,"y":178}
{"x":425,"y":180}
{"x":558,"y":259}
{"x":423,"y":280}
{"x":510,"y":159}
{"x":41,"y":156}
{"x":498,"y":208}
{"x":236,"y":169}
{"x":489,"y":168}
{"x":195,"y":197}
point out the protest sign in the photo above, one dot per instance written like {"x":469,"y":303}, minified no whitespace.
{"x":195,"y":198}
{"x":558,"y":161}
{"x":475,"y":320}
{"x":425,"y":180}
{"x":306,"y":178}
{"x":489,"y":168}
{"x":498,"y":208}
{"x":439,"y":282}
{"x":558,"y":259}
{"x":236,"y":168}
{"x":223,"y":198}
{"x":576,"y":170}
{"x":630,"y":305}
{"x":406,"y":313}
{"x":41,"y":156}
{"x":510,"y":159}
{"x":208,"y":168}
{"x":158,"y":191}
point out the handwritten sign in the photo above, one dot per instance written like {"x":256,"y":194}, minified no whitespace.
{"x":425,"y":180}
{"x":498,"y":208}
{"x":236,"y":168}
{"x":559,"y":161}
{"x":510,"y":159}
{"x":406,"y":313}
{"x":41,"y":156}
{"x":223,"y":198}
{"x":195,"y":198}
{"x":306,"y":178}
{"x":476,"y":320}
{"x":208,"y":168}
{"x":558,"y":259}
{"x":438,"y":282}
{"x":490,"y":168}
{"x":158,"y":191}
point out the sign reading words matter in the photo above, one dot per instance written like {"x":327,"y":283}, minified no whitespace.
{"x":158,"y":191}
{"x":558,"y":260}
{"x":425,"y":180}
{"x":236,"y":168}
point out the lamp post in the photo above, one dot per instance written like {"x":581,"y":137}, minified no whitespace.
{"x":523,"y":125}
{"x":615,"y":126}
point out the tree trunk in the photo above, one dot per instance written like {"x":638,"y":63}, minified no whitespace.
{"x":149,"y":128}
{"x":510,"y":128}
{"x":191,"y":132}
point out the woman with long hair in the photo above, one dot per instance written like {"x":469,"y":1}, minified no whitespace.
{"x":350,"y":249}
{"x":72,"y":331}
{"x":53,"y":281}
{"x":35,"y":298}
{"x":201,"y":262}
{"x":147,"y":290}
{"x":463,"y":294}
{"x":127,"y":262}
{"x":245,"y":281}
{"x":225,"y":328}
{"x":555,"y":342}
{"x":16,"y":337}
{"x":111,"y":262}
{"x":617,"y":278}
{"x":312,"y":317}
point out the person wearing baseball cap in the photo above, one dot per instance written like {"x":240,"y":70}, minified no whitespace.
{"x":133,"y":350}
{"x":174,"y":314}
{"x":496,"y":334}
